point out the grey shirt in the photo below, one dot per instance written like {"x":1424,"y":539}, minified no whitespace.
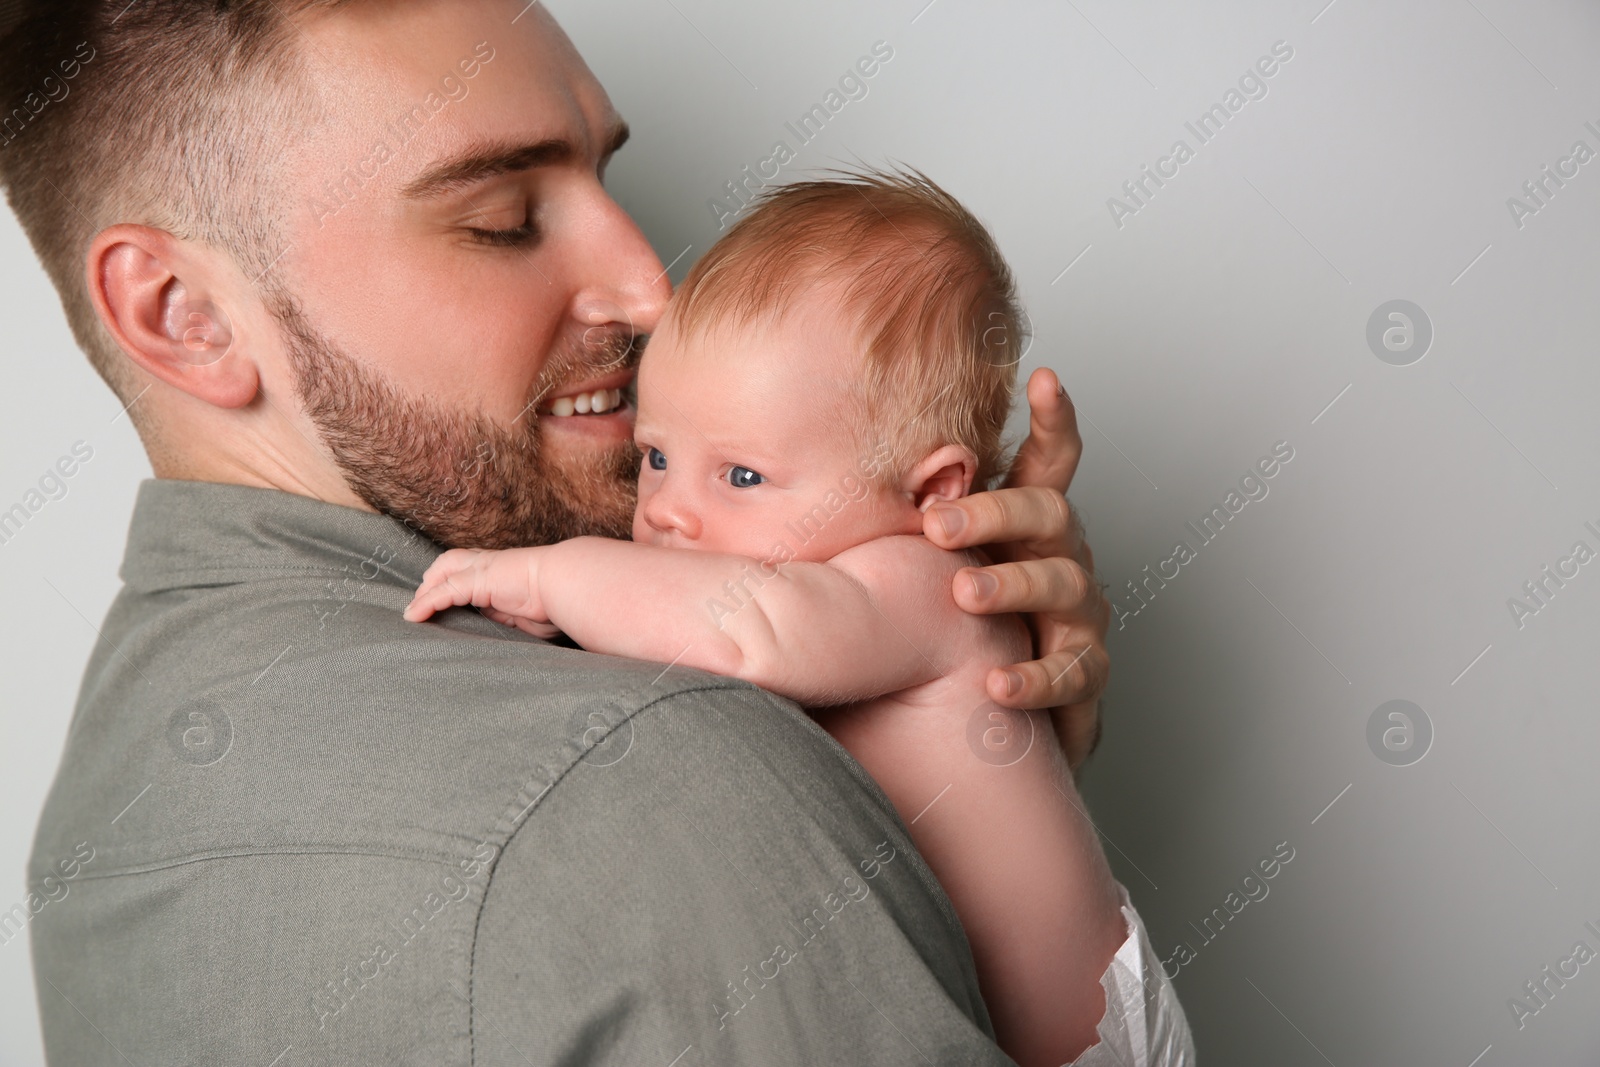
{"x":291,"y":828}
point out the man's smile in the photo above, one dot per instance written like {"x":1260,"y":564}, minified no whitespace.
{"x":584,"y":403}
{"x":597,"y":407}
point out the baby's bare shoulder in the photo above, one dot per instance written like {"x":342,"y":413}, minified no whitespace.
{"x":895,"y":554}
{"x":906,"y":565}
{"x":912,"y":580}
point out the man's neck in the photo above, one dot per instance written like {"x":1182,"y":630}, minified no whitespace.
{"x":260,"y":473}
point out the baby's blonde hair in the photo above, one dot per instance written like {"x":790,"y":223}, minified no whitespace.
{"x":932,"y":299}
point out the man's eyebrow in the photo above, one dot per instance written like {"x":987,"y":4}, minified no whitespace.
{"x":489,"y":160}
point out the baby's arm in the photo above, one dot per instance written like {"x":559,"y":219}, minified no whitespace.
{"x":991,"y":805}
{"x":813,"y":632}
{"x":1008,"y":841}
{"x":1014,"y":850}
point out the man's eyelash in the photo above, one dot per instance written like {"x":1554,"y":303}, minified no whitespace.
{"x":521,"y":235}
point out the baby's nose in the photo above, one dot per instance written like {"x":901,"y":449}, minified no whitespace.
{"x":672,"y":519}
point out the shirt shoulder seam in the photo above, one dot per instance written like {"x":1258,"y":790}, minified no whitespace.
{"x":250,"y":851}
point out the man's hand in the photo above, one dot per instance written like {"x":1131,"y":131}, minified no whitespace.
{"x":504,"y":585}
{"x":1045,"y":570}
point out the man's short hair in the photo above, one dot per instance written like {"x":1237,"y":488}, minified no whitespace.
{"x":168,"y":113}
{"x":932,"y":299}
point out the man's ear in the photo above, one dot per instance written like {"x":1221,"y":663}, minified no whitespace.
{"x":159,"y":297}
{"x":945,"y":474}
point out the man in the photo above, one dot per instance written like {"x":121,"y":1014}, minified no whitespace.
{"x":336,"y":256}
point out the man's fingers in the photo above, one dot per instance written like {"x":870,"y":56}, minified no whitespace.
{"x":1071,"y":676}
{"x":1054,"y":585}
{"x":1049,"y":457}
{"x":1029,"y":515}
{"x":1078,"y":729}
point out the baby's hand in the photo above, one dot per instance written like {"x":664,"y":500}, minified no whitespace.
{"x":504,"y":584}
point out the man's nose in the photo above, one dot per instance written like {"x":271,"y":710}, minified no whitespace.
{"x":625,"y":281}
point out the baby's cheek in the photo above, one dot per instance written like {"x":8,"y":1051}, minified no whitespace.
{"x":761,"y":531}
{"x":817,"y":530}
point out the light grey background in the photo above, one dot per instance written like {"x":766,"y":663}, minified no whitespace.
{"x":1226,"y":315}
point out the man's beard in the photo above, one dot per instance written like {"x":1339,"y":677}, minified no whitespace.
{"x":460,"y":478}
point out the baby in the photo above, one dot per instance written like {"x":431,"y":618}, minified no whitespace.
{"x":842,"y":360}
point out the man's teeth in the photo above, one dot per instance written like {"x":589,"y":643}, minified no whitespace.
{"x":595,"y":403}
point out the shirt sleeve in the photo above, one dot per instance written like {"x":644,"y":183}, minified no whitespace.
{"x":1144,"y":1025}
{"x":722,"y":888}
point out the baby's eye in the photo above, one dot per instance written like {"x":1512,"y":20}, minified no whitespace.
{"x":656,"y":458}
{"x":743,"y":477}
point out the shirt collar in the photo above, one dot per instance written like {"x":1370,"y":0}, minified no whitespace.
{"x":186,"y":534}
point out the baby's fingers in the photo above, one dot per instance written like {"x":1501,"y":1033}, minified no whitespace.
{"x":528,"y":626}
{"x":452,"y":561}
{"x":432,"y":597}
{"x":447,"y":583}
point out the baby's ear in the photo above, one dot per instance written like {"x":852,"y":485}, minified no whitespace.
{"x":945,"y":474}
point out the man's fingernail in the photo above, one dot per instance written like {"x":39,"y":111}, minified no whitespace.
{"x":954,"y":520}
{"x":1013,"y":683}
{"x":984,"y":584}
